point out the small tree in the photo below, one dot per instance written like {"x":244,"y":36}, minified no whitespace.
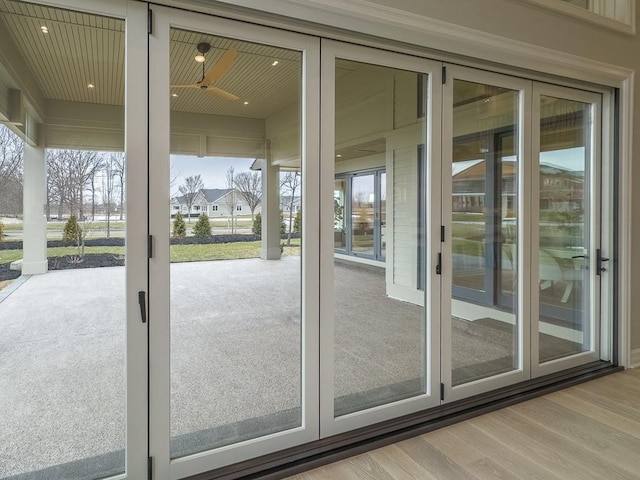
{"x":72,"y":231}
{"x":257,"y":225}
{"x":202,"y":227}
{"x":283,"y":226}
{"x":297,"y":222}
{"x":1,"y":230}
{"x":179,"y":227}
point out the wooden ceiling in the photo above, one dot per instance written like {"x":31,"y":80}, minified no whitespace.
{"x":81,"y":49}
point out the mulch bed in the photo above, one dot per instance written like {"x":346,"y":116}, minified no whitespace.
{"x":90,"y":260}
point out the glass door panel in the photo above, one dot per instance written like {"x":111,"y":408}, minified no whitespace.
{"x":379,"y":350}
{"x":67,"y":373}
{"x":484,"y":331}
{"x":485,"y":163}
{"x":568,"y":275}
{"x":235,"y":298}
{"x":229,"y":231}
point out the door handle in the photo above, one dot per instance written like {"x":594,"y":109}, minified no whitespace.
{"x":600,"y":260}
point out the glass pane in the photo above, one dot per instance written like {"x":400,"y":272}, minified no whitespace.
{"x":484,"y":220}
{"x":362,"y":214}
{"x":379,"y":315}
{"x":236,"y":237}
{"x":62,"y":334}
{"x":564,"y":168}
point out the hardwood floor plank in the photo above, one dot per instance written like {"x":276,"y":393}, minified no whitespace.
{"x":560,"y":455}
{"x":433,"y":460}
{"x":598,"y":438}
{"x":590,"y":431}
{"x":516,"y":463}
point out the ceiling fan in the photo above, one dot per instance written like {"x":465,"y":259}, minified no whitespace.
{"x":215,"y":72}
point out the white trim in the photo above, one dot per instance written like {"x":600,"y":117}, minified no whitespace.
{"x":584,"y":14}
{"x":635,"y":358}
{"x":136,"y":130}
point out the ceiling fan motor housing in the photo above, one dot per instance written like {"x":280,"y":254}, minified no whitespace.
{"x":203,"y":47}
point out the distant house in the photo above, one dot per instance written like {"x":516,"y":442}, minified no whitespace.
{"x":214,"y":202}
{"x":286,"y":205}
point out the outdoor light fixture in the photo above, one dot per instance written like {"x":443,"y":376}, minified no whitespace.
{"x":275,"y":62}
{"x":44,"y":29}
{"x":91,"y":85}
{"x":246,"y":103}
{"x":174,"y":94}
{"x":202,"y":49}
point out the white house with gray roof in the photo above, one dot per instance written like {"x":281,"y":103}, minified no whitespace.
{"x":214,"y":202}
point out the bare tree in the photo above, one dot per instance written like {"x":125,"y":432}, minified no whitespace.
{"x":70,"y":172}
{"x":231,"y":198}
{"x":11,"y":154}
{"x":189,"y":189}
{"x":109,"y":174}
{"x":120,"y":167}
{"x":289,"y":184}
{"x":249,"y":186}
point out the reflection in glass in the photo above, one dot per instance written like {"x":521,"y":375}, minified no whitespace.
{"x":235,"y":301}
{"x":362,"y":214}
{"x":484,"y":224}
{"x":379,"y":354}
{"x":339,"y":204}
{"x":564,"y":227}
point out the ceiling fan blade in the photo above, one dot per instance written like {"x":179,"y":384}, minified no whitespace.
{"x":193,"y":85}
{"x":221,"y":93}
{"x":221,"y":67}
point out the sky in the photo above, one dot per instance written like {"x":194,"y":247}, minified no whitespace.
{"x":212,"y":169}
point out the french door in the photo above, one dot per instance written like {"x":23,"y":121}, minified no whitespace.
{"x":233,"y":342}
{"x":523,"y":263}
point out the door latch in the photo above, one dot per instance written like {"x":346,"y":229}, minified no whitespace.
{"x":600,"y":260}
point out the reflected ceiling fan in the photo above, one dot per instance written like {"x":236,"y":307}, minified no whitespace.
{"x":215,"y":72}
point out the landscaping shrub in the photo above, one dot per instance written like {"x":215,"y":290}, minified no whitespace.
{"x":179,"y":227}
{"x":283,"y":226}
{"x":1,"y":230}
{"x":72,"y":230}
{"x":202,"y":228}
{"x":297,"y":222}
{"x":257,"y":225}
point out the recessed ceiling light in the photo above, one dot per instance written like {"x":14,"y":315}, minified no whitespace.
{"x":246,"y":103}
{"x":44,"y":29}
{"x":275,"y":62}
{"x":174,"y":94}
{"x":91,"y":85}
{"x":339,"y":156}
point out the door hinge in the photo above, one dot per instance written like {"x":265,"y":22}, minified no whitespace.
{"x":150,"y":468}
{"x":439,"y":265}
{"x":444,"y":75}
{"x":150,"y":246}
{"x":442,"y":233}
{"x":442,"y":391}
{"x":150,"y":22}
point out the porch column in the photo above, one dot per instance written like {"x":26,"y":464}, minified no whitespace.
{"x":34,"y":230}
{"x":270,"y":211}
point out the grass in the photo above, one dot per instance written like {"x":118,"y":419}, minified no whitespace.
{"x":179,"y":253}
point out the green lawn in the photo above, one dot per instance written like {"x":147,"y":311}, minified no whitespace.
{"x":179,"y":253}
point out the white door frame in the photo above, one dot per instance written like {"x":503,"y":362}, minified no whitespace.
{"x":330,"y":425}
{"x":521,"y":372}
{"x":595,"y":196}
{"x":159,"y":93}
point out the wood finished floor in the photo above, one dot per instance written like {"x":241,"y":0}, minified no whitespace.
{"x":589,"y":431}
